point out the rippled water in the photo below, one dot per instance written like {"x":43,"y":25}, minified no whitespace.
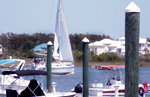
{"x":66,"y":82}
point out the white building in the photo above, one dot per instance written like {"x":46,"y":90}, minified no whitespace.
{"x":107,"y":45}
{"x":99,"y":47}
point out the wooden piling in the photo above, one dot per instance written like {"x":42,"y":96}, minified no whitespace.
{"x":49,"y":60}
{"x":85,"y":42}
{"x":132,"y":22}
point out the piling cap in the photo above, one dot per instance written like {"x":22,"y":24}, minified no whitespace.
{"x":132,"y":7}
{"x":49,"y":43}
{"x":85,"y":40}
{"x":53,"y":83}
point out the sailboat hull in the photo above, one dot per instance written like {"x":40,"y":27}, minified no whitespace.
{"x":62,"y":68}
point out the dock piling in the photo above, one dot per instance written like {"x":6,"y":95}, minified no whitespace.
{"x":49,"y":60}
{"x":132,"y":22}
{"x":85,"y":42}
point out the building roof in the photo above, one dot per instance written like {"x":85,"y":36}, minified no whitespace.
{"x":142,"y":40}
{"x":101,"y":43}
{"x":115,"y":44}
{"x":122,"y":38}
{"x":96,"y":43}
{"x":40,"y":47}
{"x":106,"y":41}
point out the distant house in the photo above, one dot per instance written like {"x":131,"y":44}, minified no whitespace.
{"x":41,"y":48}
{"x":99,"y":47}
{"x":107,"y":45}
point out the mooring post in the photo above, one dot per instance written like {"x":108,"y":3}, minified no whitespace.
{"x":132,"y":22}
{"x":85,"y":42}
{"x":49,"y":60}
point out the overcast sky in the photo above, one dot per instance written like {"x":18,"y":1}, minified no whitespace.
{"x":82,"y":16}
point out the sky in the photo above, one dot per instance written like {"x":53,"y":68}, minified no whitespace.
{"x":82,"y":16}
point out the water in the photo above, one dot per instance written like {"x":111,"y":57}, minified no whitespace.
{"x":66,"y":82}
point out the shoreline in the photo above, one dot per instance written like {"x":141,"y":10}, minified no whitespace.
{"x":79,"y":63}
{"x":141,"y":64}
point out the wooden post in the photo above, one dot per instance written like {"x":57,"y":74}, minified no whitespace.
{"x":85,"y":42}
{"x":49,"y":59}
{"x":132,"y":22}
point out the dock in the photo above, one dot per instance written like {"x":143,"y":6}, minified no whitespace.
{"x":80,"y":95}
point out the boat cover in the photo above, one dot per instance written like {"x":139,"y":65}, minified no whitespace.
{"x":33,"y":90}
{"x":25,"y":72}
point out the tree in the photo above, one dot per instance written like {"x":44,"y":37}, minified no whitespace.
{"x":146,"y":50}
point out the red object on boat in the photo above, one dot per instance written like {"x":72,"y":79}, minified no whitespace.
{"x":145,"y":87}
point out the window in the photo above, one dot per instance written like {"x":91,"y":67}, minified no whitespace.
{"x":110,"y":49}
{"x":119,"y":50}
{"x":95,"y":50}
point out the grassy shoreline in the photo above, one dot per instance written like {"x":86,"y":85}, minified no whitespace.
{"x":79,"y":63}
{"x":141,"y":64}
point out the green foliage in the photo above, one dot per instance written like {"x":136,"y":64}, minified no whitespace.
{"x":106,"y":57}
{"x":76,"y":39}
{"x":145,"y":58}
{"x":147,"y":55}
{"x":77,"y":55}
{"x":20,"y":45}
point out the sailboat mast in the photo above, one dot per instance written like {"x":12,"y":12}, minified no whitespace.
{"x":59,"y":26}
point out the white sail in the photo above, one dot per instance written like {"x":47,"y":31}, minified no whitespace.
{"x":62,"y":47}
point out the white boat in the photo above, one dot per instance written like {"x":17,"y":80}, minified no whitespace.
{"x":33,"y":88}
{"x":113,"y":84}
{"x":62,"y":52}
{"x":11,"y":64}
{"x":6,"y":80}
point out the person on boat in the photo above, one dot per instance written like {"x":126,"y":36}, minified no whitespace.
{"x":35,"y":61}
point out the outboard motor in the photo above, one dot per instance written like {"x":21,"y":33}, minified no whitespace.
{"x":78,"y":88}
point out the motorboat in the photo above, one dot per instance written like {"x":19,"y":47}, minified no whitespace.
{"x":105,"y":67}
{"x":114,"y":83}
{"x":7,"y":81}
{"x":12,"y":64}
{"x":34,"y":88}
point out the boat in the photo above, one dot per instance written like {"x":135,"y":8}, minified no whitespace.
{"x":62,"y":53}
{"x":105,"y":67}
{"x":38,"y":64}
{"x":113,"y":84}
{"x":7,"y":81}
{"x":34,"y":88}
{"x":11,"y":64}
{"x":100,"y":67}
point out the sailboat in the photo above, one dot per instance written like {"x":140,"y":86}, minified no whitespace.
{"x":62,"y":53}
{"x":62,"y":49}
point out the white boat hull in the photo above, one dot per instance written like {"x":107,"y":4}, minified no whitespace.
{"x":61,"y":68}
{"x":108,"y":91}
